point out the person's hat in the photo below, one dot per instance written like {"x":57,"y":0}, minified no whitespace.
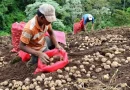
{"x":90,"y":17}
{"x":48,"y":11}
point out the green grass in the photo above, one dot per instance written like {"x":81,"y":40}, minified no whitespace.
{"x":3,"y":33}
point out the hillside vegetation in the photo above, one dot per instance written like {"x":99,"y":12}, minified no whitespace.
{"x":107,"y":13}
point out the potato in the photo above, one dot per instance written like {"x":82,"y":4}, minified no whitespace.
{"x":56,"y":58}
{"x":114,"y":64}
{"x":106,"y":77}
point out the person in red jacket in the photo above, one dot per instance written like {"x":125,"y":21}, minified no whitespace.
{"x":33,"y":40}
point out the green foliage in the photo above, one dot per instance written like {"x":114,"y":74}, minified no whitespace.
{"x":61,"y":27}
{"x":75,"y":8}
{"x":62,"y":16}
{"x":67,"y":20}
{"x":115,"y":3}
{"x":102,"y":17}
{"x":59,"y":10}
{"x":9,"y":13}
{"x":31,"y":10}
{"x":107,"y":13}
{"x":17,"y":16}
{"x":127,"y":3}
{"x":68,"y":28}
{"x":60,"y":2}
{"x":120,"y":17}
{"x":3,"y":33}
{"x":58,"y":25}
{"x":24,"y":3}
{"x":76,"y":20}
{"x":94,"y":4}
{"x":128,"y":9}
{"x":3,"y":10}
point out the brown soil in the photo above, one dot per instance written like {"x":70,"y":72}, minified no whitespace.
{"x":19,"y":71}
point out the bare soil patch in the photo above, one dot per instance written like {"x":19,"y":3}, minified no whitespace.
{"x":78,"y":46}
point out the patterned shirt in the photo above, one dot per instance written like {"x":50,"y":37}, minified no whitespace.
{"x":33,"y":35}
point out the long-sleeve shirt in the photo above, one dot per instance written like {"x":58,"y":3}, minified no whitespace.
{"x":85,"y":18}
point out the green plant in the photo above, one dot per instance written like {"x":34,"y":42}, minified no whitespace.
{"x":58,"y":25}
{"x":128,"y":9}
{"x":76,"y":20}
{"x":9,"y":13}
{"x":120,"y":17}
{"x":63,"y":18}
{"x":3,"y":33}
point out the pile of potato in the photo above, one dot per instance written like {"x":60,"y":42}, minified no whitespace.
{"x":55,"y":59}
{"x":2,"y":62}
{"x":86,"y":66}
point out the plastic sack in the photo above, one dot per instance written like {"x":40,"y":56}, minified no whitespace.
{"x":77,"y":27}
{"x":16,"y":31}
{"x":47,"y":68}
{"x":58,"y":65}
{"x":24,"y":56}
{"x":60,"y":36}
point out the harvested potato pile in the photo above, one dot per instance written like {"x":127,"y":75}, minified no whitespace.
{"x":56,"y":58}
{"x":97,"y":61}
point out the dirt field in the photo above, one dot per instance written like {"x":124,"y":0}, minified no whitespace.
{"x":98,"y":60}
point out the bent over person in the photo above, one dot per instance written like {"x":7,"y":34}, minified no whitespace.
{"x":87,"y":18}
{"x":33,"y":39}
{"x":82,"y":24}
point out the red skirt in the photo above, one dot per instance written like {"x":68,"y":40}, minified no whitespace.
{"x":77,"y":27}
